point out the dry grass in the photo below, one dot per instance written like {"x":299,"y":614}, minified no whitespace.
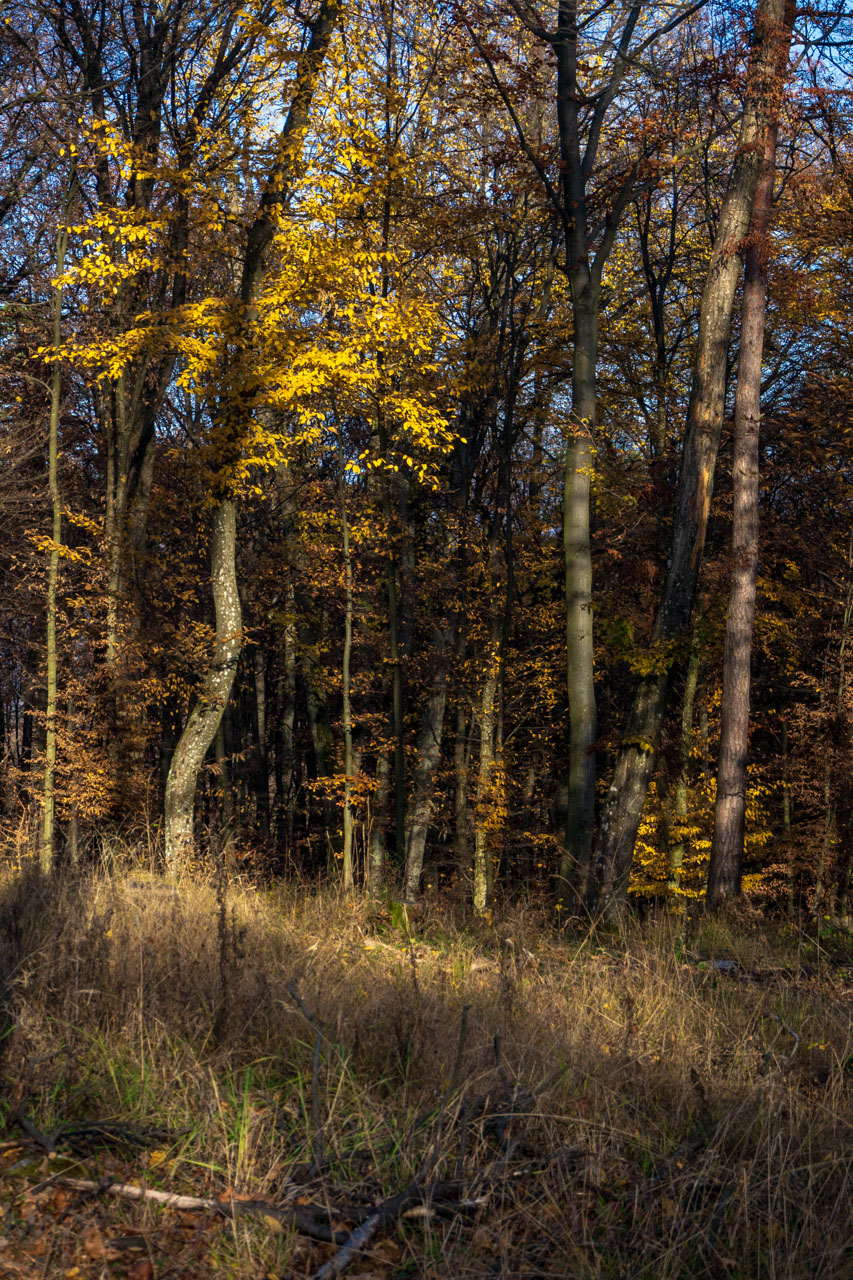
{"x":646,"y":1115}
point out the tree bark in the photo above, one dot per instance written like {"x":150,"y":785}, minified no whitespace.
{"x":725,"y":870}
{"x":428,"y":757}
{"x":377,"y":851}
{"x":577,"y":488}
{"x":205,"y":717}
{"x":635,"y":761}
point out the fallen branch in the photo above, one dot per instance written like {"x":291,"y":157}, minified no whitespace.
{"x":383,"y":1217}
{"x":84,"y":1134}
{"x":298,"y":1217}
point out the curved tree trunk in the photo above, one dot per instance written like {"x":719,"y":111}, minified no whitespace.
{"x":206,"y":715}
{"x":237,"y":402}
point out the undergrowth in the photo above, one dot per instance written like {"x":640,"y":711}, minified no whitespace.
{"x":672,"y":1102}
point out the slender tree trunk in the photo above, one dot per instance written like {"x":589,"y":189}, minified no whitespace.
{"x":394,"y":651}
{"x":111,"y":525}
{"x":428,"y":757}
{"x":261,"y":770}
{"x":460,"y":788}
{"x":377,"y":851}
{"x":347,"y":696}
{"x":485,"y":777}
{"x":287,"y":720}
{"x":682,"y":786}
{"x":49,"y":785}
{"x":839,"y":816}
{"x":391,"y":143}
{"x":786,"y":824}
{"x":725,"y":870}
{"x":829,"y":838}
{"x":635,"y":761}
{"x":205,"y":717}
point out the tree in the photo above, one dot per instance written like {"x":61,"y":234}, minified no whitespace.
{"x":627,"y":792}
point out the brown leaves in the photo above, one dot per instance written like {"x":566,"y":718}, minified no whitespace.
{"x":93,"y":1241}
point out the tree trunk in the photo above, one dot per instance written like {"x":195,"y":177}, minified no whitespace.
{"x":49,"y":786}
{"x":347,"y":695}
{"x":580,"y":456}
{"x":206,"y":715}
{"x":204,"y":719}
{"x":261,"y":771}
{"x":460,"y":787}
{"x":428,"y":757}
{"x":485,"y":776}
{"x":786,"y":824}
{"x":676,"y":852}
{"x":635,"y":761}
{"x":724,"y":873}
{"x":286,"y":703}
{"x":377,"y":850}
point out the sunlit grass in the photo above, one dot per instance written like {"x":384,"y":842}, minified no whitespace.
{"x":656,"y":1115}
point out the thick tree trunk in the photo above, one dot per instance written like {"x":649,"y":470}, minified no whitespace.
{"x":635,"y":761}
{"x":204,"y":719}
{"x":724,"y":873}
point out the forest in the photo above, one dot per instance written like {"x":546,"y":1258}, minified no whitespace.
{"x":426,"y":528}
{"x":406,"y":414}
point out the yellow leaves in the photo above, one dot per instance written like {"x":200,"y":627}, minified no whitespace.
{"x":82,"y":555}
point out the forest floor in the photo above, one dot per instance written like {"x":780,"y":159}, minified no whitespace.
{"x":459,"y":1101}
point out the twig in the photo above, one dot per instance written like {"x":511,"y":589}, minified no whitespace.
{"x":497,"y":1046}
{"x":384,"y":1216}
{"x":47,"y":1141}
{"x":299,"y":1217}
{"x":315,"y":1103}
{"x":788,"y":1031}
{"x":309,"y":1017}
{"x":463,"y":1139}
{"x":83,"y":1134}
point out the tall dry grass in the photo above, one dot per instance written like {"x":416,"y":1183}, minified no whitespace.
{"x":623,"y":1107}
